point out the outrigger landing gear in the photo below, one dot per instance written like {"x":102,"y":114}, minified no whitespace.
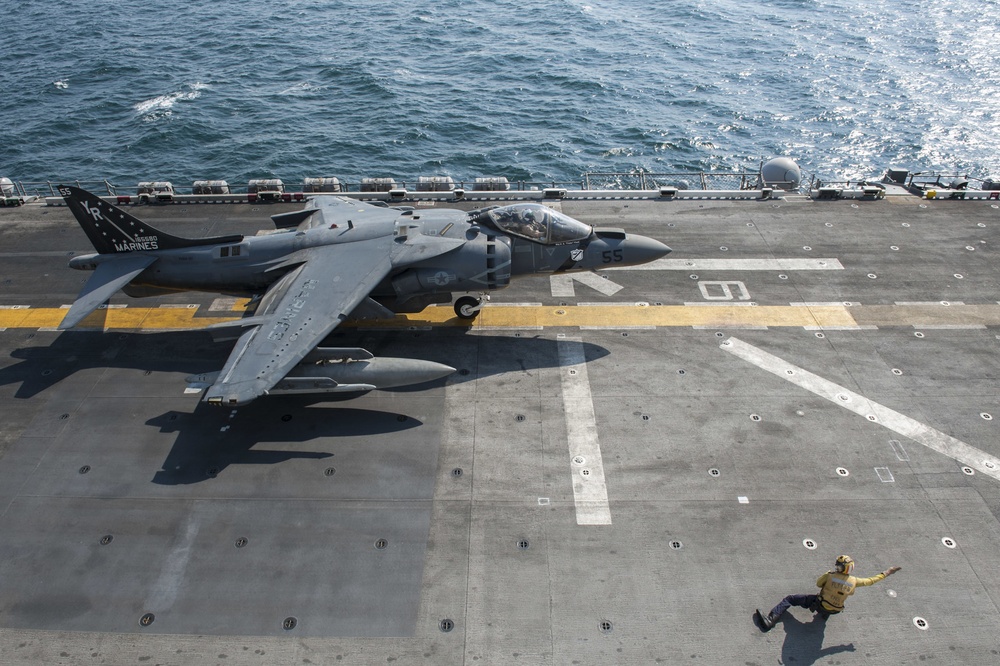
{"x":467,"y":307}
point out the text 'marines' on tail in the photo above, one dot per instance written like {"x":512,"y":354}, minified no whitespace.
{"x":112,"y":230}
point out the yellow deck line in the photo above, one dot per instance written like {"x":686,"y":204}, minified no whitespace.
{"x":664,"y":315}
{"x":535,"y":316}
{"x":491,"y":317}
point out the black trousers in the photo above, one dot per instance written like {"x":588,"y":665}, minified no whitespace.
{"x":810,"y":601}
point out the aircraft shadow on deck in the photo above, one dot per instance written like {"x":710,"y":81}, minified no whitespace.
{"x":193,"y":352}
{"x":43,"y":367}
{"x":208,"y":441}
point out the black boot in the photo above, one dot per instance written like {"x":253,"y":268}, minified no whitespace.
{"x":766,"y":622}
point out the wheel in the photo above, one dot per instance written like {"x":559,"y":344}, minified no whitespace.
{"x":467,"y":307}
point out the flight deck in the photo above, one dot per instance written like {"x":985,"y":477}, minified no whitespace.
{"x":626,"y":464}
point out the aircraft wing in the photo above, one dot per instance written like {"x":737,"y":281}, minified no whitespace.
{"x":333,"y":211}
{"x":108,"y":277}
{"x":344,"y":212}
{"x":297,"y":312}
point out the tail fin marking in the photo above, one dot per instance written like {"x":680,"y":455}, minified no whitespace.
{"x":112,"y":230}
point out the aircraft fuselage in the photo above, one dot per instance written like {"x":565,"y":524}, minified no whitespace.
{"x":485,"y":261}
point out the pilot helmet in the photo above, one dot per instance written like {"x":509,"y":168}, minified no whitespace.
{"x":845,"y":564}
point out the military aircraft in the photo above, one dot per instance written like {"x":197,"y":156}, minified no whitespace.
{"x":336,"y":259}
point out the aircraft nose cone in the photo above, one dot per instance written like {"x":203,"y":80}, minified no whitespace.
{"x":642,"y":249}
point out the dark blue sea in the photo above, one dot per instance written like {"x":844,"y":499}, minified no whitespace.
{"x":538,"y":91}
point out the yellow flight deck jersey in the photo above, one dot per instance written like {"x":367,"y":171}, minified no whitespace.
{"x":836,"y":587}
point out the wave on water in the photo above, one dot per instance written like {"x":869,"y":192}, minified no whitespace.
{"x":464,"y":88}
{"x":161,"y":105}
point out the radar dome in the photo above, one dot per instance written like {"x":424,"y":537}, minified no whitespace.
{"x":781,"y":172}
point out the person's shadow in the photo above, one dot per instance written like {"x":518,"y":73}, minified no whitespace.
{"x":804,"y":641}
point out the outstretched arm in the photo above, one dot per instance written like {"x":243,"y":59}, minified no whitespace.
{"x":864,"y":582}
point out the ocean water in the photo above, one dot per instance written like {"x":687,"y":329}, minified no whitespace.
{"x":540,"y":91}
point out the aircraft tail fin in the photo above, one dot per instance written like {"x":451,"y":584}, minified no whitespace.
{"x":112,"y":230}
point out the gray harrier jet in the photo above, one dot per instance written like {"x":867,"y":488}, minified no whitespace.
{"x":336,"y":259}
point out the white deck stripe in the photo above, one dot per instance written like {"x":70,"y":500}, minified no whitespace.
{"x":824,"y":304}
{"x":617,"y":328}
{"x":866,"y":327}
{"x":775,"y":264}
{"x":512,"y":305}
{"x":596,"y":282}
{"x":224,"y":303}
{"x":562,"y":285}
{"x":857,"y":403}
{"x":590,"y":491}
{"x":175,"y":565}
{"x":950,"y":327}
{"x":725,"y":304}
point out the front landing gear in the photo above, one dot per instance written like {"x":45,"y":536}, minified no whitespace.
{"x":467,"y":307}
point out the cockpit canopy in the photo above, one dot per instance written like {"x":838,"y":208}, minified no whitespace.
{"x":538,"y":223}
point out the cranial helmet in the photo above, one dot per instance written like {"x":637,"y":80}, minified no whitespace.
{"x":845,"y":564}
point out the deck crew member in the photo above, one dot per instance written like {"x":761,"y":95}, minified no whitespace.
{"x":835,"y":586}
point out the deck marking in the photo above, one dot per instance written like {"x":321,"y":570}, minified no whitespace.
{"x":951,"y":327}
{"x":529,"y":316}
{"x":617,"y":328}
{"x":562,"y":285}
{"x":725,"y":293}
{"x":585,"y":304}
{"x":857,"y":403}
{"x":897,"y":448}
{"x":590,"y":491}
{"x":823,"y":304}
{"x":223,"y":304}
{"x":775,"y":264}
{"x":741,"y":328}
{"x":866,"y":327}
{"x":174,"y":567}
{"x":512,"y":305}
{"x":727,"y":304}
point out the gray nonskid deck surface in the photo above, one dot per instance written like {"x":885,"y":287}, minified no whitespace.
{"x":439,"y":524}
